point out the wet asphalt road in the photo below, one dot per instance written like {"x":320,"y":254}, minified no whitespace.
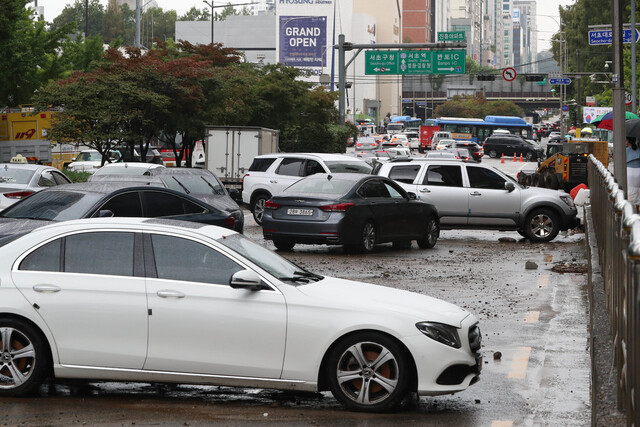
{"x":536,"y":318}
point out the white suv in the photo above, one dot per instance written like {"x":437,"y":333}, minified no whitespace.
{"x":474,"y":196}
{"x":269,"y":174}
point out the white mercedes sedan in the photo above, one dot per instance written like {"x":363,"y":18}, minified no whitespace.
{"x":130,"y":299}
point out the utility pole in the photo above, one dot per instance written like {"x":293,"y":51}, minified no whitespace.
{"x":619,"y":131}
{"x":137,"y":41}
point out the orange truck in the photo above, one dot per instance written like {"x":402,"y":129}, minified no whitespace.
{"x":24,"y":131}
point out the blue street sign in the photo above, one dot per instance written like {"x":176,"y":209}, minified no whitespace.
{"x":604,"y":37}
{"x":564,"y":81}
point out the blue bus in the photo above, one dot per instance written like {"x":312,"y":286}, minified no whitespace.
{"x":478,"y":129}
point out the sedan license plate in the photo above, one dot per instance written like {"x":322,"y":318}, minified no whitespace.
{"x":300,"y":212}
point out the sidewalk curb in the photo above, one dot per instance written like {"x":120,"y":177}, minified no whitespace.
{"x":604,"y":410}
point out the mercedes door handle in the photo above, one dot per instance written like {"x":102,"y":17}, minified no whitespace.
{"x":273,"y":181}
{"x":47,"y":288}
{"x":475,"y":193}
{"x":170,"y":294}
{"x":425,"y":190}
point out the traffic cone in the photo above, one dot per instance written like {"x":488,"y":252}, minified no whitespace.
{"x":520,"y":156}
{"x":515,"y":159}
{"x":502,"y":160}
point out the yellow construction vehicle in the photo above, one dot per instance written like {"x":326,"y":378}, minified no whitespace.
{"x":565,"y":165}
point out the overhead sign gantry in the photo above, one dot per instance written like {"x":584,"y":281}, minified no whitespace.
{"x":443,"y":61}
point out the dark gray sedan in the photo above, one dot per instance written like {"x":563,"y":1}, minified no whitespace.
{"x":354,"y":210}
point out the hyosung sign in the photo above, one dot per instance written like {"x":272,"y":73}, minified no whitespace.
{"x":303,"y":40}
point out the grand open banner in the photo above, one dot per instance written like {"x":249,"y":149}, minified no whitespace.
{"x":303,"y":41}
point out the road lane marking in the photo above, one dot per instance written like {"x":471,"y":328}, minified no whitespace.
{"x":519,"y":363}
{"x":543,"y":281}
{"x":498,"y":423}
{"x":532,"y":317}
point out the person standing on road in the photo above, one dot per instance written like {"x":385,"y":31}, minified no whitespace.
{"x":633,"y":172}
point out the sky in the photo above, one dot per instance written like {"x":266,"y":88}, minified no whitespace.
{"x":548,"y":16}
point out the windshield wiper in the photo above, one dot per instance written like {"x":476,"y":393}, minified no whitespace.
{"x":303,"y":277}
{"x":308,"y":274}
{"x":215,"y":190}
{"x":181,"y":185}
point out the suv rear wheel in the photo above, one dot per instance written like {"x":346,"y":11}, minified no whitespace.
{"x":257,"y":206}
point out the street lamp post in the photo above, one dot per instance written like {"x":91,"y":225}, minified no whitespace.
{"x":211,"y":5}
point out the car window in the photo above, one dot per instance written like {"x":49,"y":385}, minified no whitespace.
{"x":341,"y":166}
{"x":406,"y":174}
{"x":60,"y":179}
{"x":313,"y":167}
{"x":123,"y":205}
{"x":158,"y":204}
{"x":443,"y":175}
{"x":45,"y":258}
{"x":193,"y":184}
{"x":53,"y":205}
{"x":15,"y":176}
{"x":261,"y":165}
{"x":290,"y":167}
{"x":103,"y":252}
{"x":372,"y":189}
{"x":480,"y":177}
{"x":182,"y":259}
{"x":46,"y":179}
{"x":320,"y":186}
{"x":393,"y":191}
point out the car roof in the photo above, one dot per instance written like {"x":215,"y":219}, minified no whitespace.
{"x":323,"y":156}
{"x":105,"y":187}
{"x":158,"y":224}
{"x":181,"y":171}
{"x":27,"y":166}
{"x":134,"y":165}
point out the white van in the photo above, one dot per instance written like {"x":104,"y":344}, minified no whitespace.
{"x":437,"y":136}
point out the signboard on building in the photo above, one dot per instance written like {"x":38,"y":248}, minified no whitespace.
{"x":590,"y":113}
{"x":451,"y":36}
{"x":303,"y":40}
{"x":415,"y":62}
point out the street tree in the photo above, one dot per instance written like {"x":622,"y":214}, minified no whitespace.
{"x":28,"y":53}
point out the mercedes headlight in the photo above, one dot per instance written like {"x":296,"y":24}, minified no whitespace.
{"x":445,"y":334}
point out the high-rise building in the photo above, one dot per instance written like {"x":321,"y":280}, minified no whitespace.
{"x":466,"y":16}
{"x":527,"y":41}
{"x":417,"y":21}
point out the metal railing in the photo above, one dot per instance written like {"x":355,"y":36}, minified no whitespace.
{"x":617,"y":230}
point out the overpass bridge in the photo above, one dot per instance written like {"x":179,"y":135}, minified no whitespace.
{"x":422,"y":94}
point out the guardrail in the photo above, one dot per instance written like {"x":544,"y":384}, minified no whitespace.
{"x":617,"y":230}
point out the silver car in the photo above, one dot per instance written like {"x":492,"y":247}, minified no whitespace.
{"x":18,"y":181}
{"x":474,"y":196}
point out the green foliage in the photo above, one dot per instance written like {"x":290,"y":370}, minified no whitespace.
{"x":477,"y":107}
{"x":76,"y":176}
{"x":195,"y":14}
{"x":28,"y":53}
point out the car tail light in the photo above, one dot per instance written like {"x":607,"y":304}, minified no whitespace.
{"x":230,"y":221}
{"x":337,"y":207}
{"x":271,"y":205}
{"x":18,"y":194}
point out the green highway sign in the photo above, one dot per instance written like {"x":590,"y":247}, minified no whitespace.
{"x":449,"y":61}
{"x":451,"y":36}
{"x":415,"y":62}
{"x":381,"y":62}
